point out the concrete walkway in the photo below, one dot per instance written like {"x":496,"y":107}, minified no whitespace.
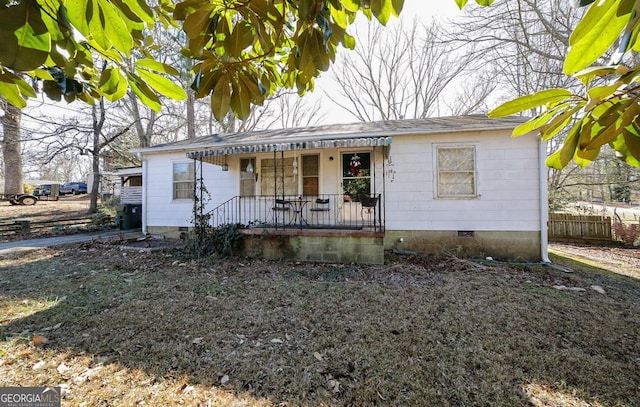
{"x":23,"y":245}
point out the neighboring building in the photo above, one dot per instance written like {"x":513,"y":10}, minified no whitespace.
{"x":130,"y":187}
{"x":346,"y":192}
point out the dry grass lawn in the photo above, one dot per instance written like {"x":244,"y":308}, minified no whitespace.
{"x":116,"y":327}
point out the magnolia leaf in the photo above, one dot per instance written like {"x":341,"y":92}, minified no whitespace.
{"x":595,"y":34}
{"x":25,"y":89}
{"x":585,"y":156}
{"x":113,"y":84}
{"x":42,"y":74}
{"x":588,"y":74}
{"x":397,"y":6}
{"x":484,"y":3}
{"x":11,"y":93}
{"x":97,"y":21}
{"x":537,"y":122}
{"x":26,"y":42}
{"x":241,"y":37}
{"x":339,"y":17}
{"x":115,"y":29}
{"x":381,"y":9}
{"x":622,"y":148}
{"x":608,"y":127}
{"x":78,"y":15}
{"x":139,"y":8}
{"x":598,"y":93}
{"x":568,"y":149}
{"x":196,"y":26}
{"x":221,"y":98}
{"x":207,"y":83}
{"x":461,"y":3}
{"x":530,"y":101}
{"x":162,"y":85}
{"x":350,"y":5}
{"x":142,"y":90}
{"x":305,"y":9}
{"x":349,"y":41}
{"x":553,"y":127}
{"x":252,"y":87}
{"x":157,"y":66}
{"x":240,"y":101}
{"x":632,"y":141}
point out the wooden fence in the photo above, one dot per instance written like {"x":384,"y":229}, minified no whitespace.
{"x":580,"y":227}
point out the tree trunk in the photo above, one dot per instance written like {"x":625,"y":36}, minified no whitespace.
{"x":191,"y":117}
{"x":98,"y":116}
{"x":11,"y":148}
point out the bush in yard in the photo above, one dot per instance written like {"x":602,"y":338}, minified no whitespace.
{"x":223,"y":241}
{"x":629,"y":234}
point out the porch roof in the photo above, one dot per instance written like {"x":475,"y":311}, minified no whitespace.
{"x":214,"y":155}
{"x":213,"y":148}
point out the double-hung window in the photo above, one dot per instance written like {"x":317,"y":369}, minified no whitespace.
{"x":456,"y":172}
{"x":248,"y":173}
{"x":183,"y":181}
{"x":310,"y":175}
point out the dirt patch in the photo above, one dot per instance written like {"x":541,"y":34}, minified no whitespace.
{"x":67,"y":206}
{"x":615,"y":258}
{"x":129,"y":327}
{"x":49,"y":218}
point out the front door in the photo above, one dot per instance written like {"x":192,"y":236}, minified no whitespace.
{"x":356,"y":182}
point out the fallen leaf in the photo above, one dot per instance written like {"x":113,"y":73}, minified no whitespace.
{"x":276,"y":340}
{"x":38,"y":365}
{"x":197,"y":341}
{"x":598,"y":289}
{"x":40,"y":340}
{"x":317,"y":356}
{"x":287,"y":337}
{"x":224,"y":379}
{"x":87,"y":375}
{"x":62,"y":368}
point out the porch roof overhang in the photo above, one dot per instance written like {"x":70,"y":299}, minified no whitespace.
{"x":217,"y":154}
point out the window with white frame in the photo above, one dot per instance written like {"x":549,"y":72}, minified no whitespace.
{"x":278,"y":176}
{"x":248,"y":171}
{"x":310,"y":175}
{"x":456,"y":172}
{"x":183,"y":181}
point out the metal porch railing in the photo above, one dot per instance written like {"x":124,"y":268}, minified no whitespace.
{"x":326,"y":211}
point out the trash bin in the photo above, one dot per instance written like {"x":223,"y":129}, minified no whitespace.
{"x":128,"y":216}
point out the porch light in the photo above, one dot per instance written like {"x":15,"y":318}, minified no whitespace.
{"x":295,"y":166}
{"x":249,"y":168}
{"x":225,"y":167}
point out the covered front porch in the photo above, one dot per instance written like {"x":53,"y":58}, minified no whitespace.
{"x":315,"y":185}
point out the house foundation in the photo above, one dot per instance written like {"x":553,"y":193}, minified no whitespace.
{"x":316,"y":246}
{"x":523,"y":245}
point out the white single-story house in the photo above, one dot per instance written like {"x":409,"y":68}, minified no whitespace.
{"x":347,"y":192}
